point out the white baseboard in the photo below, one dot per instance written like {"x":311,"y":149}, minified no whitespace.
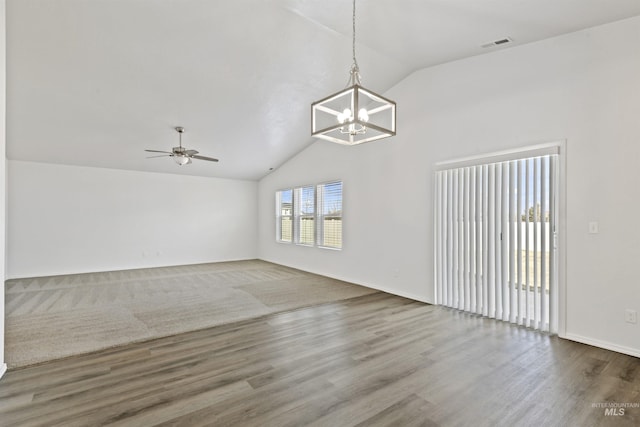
{"x":3,"y":369}
{"x":395,"y":292}
{"x":357,"y":282}
{"x":603,"y":344}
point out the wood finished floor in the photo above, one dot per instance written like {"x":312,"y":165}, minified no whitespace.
{"x":368,"y":361}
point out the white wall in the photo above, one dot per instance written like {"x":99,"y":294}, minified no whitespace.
{"x":69,"y":219}
{"x":583,"y":87}
{"x":3,"y":162}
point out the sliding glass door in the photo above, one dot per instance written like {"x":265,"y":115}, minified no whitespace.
{"x":495,"y":249}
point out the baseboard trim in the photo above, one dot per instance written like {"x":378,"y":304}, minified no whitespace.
{"x":603,"y":344}
{"x":3,"y":369}
{"x":356,"y":282}
{"x":395,"y":292}
{"x":10,"y":276}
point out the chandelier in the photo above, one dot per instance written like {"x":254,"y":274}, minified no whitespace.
{"x":355,"y":114}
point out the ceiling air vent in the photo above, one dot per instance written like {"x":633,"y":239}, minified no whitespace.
{"x":498,"y":42}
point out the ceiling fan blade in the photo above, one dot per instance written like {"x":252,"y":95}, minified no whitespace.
{"x":162,"y":155}
{"x":157,"y":151}
{"x":211,"y":159}
{"x":190,"y":152}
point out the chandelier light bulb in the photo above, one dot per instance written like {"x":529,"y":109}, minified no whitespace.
{"x":345,"y":116}
{"x":363,"y":115}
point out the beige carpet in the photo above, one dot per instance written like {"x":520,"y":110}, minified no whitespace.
{"x":53,"y":317}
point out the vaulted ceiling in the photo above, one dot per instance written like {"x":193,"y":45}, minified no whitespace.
{"x":95,"y":82}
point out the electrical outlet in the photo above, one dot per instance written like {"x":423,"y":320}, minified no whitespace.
{"x":630,"y":316}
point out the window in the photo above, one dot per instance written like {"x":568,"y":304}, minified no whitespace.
{"x":305,"y":203}
{"x":310,"y":215}
{"x":284,"y":211}
{"x":330,"y":215}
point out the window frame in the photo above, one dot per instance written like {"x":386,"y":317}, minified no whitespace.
{"x":318,"y":216}
{"x":280,"y":216}
{"x":298,"y":216}
{"x":321,"y":216}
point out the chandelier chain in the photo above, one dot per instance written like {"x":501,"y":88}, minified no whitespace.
{"x":354,"y":74}
{"x":355,"y":62}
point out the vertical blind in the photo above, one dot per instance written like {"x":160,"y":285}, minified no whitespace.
{"x":495,"y":228}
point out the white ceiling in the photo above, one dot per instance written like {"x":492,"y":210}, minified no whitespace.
{"x":95,"y":82}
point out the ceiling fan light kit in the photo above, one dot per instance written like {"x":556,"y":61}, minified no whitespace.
{"x":181,"y":160}
{"x":355,"y":114}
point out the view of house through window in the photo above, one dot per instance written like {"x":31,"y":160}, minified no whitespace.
{"x":284,"y":223}
{"x":310,"y":215}
{"x":330,"y":224}
{"x":305,"y":215}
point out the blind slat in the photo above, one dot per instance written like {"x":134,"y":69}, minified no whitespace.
{"x":504,"y":240}
{"x":553,"y":300}
{"x":543,"y":240}
{"x":527,"y":265}
{"x":466,"y":248}
{"x":485,"y":240}
{"x":498,"y":248}
{"x":450,"y":242}
{"x":521,"y":208}
{"x":536,"y":202}
{"x":512,"y":253}
{"x":473,"y":301}
{"x":478,"y":240}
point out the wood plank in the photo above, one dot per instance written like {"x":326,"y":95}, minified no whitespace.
{"x":372,"y":360}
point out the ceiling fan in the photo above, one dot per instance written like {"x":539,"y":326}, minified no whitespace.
{"x":181,"y":155}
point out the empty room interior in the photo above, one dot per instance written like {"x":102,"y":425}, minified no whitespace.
{"x":331,"y":213}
